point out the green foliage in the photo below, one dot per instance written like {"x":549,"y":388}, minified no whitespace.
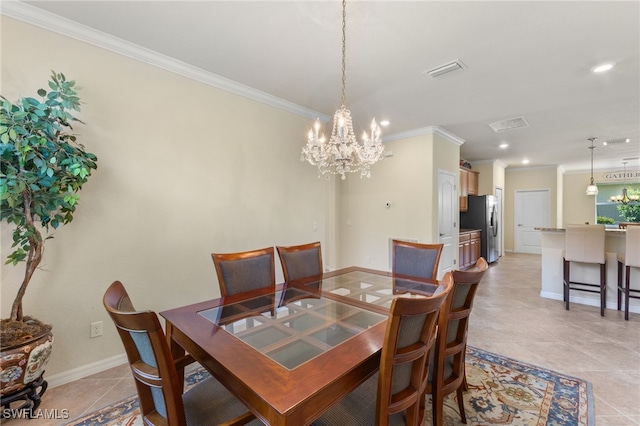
{"x":43,"y":167}
{"x":606,"y":220}
{"x":631,"y":211}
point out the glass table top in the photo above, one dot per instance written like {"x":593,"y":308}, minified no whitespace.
{"x":293,"y":326}
{"x":375,"y":289}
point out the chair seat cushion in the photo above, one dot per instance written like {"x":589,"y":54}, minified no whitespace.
{"x":209,"y":403}
{"x":358,"y":408}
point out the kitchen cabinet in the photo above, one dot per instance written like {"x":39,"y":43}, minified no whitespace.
{"x":468,"y":186}
{"x":472,"y":182}
{"x":469,"y":248}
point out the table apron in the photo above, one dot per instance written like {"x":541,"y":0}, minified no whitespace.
{"x":302,"y":414}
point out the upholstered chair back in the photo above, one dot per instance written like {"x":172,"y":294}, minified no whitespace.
{"x":585,"y":243}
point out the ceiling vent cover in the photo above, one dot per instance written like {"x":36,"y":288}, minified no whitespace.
{"x":509,"y":124}
{"x":446,"y":68}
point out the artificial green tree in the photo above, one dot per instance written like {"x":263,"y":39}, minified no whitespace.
{"x":43,"y":168}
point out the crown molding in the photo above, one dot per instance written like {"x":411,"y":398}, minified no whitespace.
{"x":430,"y":130}
{"x":528,"y":169}
{"x":49,"y":21}
{"x":496,"y":162}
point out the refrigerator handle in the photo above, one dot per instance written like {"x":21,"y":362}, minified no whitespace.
{"x":494,"y":221}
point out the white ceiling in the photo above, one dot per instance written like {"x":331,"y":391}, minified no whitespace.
{"x":522,"y":58}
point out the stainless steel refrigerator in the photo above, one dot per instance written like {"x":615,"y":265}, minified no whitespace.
{"x":482,"y":214}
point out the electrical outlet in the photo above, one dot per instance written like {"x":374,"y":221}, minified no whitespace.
{"x":96,"y":329}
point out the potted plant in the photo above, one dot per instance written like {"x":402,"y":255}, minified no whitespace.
{"x":42,"y":170}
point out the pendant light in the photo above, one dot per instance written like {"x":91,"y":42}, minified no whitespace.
{"x":592,"y":189}
{"x":625,"y":198}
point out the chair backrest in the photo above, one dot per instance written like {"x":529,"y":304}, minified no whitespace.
{"x":451,"y":343}
{"x":404,"y":360}
{"x":300,"y":261}
{"x":632,"y":252}
{"x":415,"y":260}
{"x":585,"y":243}
{"x":244,"y":271}
{"x":150,"y":359}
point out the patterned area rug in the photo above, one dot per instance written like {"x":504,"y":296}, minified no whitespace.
{"x":502,"y":391}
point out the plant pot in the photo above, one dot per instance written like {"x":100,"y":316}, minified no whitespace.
{"x":23,"y":364}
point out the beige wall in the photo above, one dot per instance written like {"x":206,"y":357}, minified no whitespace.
{"x":184,"y":170}
{"x":578,"y":207}
{"x":485,"y":176}
{"x":408,"y":181}
{"x":518,"y":179}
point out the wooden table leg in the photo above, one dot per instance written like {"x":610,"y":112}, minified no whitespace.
{"x":178,"y":353}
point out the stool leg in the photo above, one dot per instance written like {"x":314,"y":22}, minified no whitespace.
{"x":603,"y":288}
{"x":619,"y":285}
{"x":626,"y":292}
{"x":567,"y":277}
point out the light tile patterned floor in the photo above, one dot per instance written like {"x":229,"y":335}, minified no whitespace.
{"x":508,"y":318}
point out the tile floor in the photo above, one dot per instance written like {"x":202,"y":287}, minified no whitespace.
{"x":509,"y":318}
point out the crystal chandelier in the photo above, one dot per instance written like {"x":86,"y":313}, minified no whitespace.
{"x":625,"y":198}
{"x":592,"y":189}
{"x":343,"y":154}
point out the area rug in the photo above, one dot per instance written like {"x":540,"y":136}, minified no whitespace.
{"x":502,"y":391}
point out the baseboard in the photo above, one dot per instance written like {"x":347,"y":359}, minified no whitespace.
{"x":554,"y":296}
{"x":586,"y":301}
{"x":86,"y":370}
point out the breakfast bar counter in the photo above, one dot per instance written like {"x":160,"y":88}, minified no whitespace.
{"x":553,"y":240}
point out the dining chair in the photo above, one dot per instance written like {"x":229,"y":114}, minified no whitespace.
{"x":244,"y":271}
{"x":629,"y":259}
{"x":300,"y":261}
{"x":396,"y":394}
{"x":415,"y":260}
{"x":156,"y":375}
{"x":449,"y":354}
{"x":584,"y":244}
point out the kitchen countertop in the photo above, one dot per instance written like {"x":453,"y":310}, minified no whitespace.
{"x":562,"y":230}
{"x":464,"y":231}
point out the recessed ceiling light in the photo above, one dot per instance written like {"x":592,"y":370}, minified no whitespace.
{"x":525,"y":161}
{"x":384,"y":123}
{"x":504,"y":145}
{"x":603,"y":67}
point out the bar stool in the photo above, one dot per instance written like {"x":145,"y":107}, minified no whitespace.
{"x":585,"y":244}
{"x":631,"y":259}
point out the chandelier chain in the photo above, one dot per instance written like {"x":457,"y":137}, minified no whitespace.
{"x":344,"y":53}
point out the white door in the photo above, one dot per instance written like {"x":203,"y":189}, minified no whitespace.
{"x":447,"y":220}
{"x":531,"y":211}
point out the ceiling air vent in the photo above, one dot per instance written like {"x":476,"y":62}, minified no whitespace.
{"x":446,"y":68}
{"x":509,"y":124}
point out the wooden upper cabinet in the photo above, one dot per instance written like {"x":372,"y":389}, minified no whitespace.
{"x":468,"y":186}
{"x":464,"y":182}
{"x":472,"y":182}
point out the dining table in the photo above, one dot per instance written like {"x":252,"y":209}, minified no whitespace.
{"x":290,"y":352}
